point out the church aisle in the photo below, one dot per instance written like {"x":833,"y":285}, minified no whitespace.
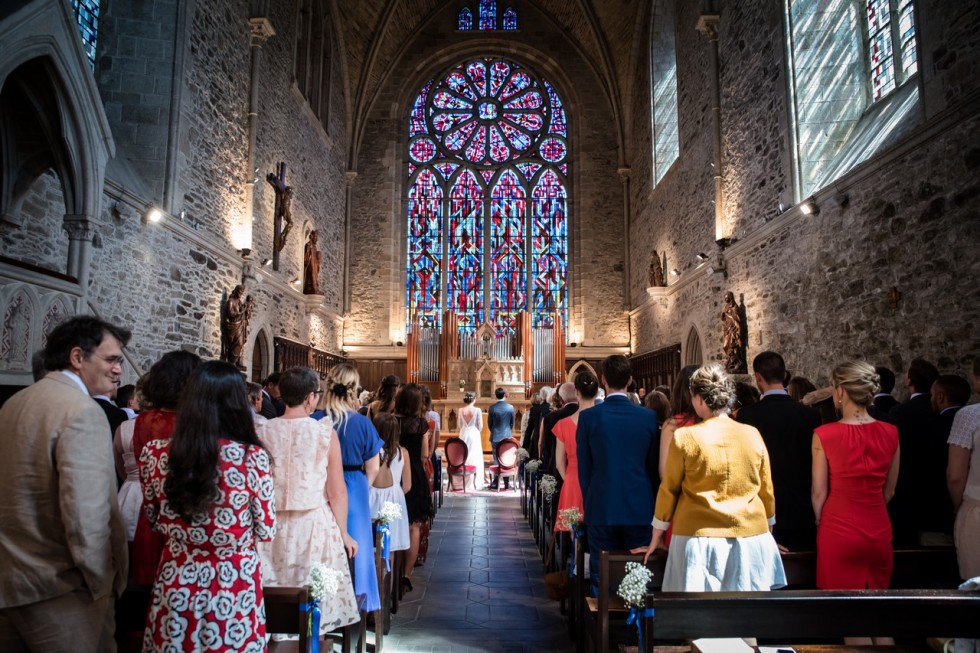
{"x":482,"y":587}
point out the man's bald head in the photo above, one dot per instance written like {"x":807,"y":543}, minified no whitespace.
{"x":567,"y":392}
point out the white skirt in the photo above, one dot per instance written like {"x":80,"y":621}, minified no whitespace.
{"x":723,"y":564}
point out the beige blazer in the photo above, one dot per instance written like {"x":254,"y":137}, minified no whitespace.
{"x":59,"y":519}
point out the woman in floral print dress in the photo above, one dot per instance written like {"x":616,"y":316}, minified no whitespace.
{"x":209,"y":490}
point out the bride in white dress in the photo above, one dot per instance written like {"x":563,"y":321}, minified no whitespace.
{"x":470,"y":432}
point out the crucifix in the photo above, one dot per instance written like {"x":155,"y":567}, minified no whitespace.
{"x":283,"y":221}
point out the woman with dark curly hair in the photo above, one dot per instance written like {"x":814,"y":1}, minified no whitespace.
{"x":162,"y":388}
{"x":208,"y":488}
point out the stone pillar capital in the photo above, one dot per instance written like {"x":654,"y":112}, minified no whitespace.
{"x":624,"y":174}
{"x":261,"y":29}
{"x":79,"y":226}
{"x":708,"y":26}
{"x":351,"y":175}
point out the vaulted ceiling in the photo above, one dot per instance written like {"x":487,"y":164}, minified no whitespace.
{"x":373,"y":35}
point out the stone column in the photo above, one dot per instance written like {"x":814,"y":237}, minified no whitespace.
{"x":624,"y":177}
{"x":80,"y":229}
{"x":261,"y":32}
{"x":708,"y":27}
{"x":351,"y":175}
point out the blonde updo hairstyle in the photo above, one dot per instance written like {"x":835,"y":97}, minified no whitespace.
{"x":858,"y":379}
{"x":713,"y":386}
{"x":339,"y":396}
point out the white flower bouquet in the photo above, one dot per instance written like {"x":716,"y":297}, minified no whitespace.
{"x":522,"y":454}
{"x":390,"y":511}
{"x":532,"y":466}
{"x":633,"y":589}
{"x":548,"y":485}
{"x":324,"y":581}
{"x":570,"y":518}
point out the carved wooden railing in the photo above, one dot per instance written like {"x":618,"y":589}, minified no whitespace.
{"x":289,"y":353}
{"x":659,"y":367}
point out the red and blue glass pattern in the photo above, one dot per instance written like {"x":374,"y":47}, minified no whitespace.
{"x":488,"y":14}
{"x":465,"y":296}
{"x":510,"y":19}
{"x":487,"y":112}
{"x":465,"y":19}
{"x":424,"y":249}
{"x":549,"y":250}
{"x":487,"y":203}
{"x":508,"y":282}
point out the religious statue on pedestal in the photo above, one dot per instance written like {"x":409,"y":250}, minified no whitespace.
{"x":656,"y":272}
{"x":234,"y":326}
{"x":311,"y":265}
{"x":733,"y":336}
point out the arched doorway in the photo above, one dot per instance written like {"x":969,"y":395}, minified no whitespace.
{"x":260,"y":358}
{"x":692,"y":348}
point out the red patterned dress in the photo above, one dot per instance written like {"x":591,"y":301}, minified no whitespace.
{"x":208,"y":592}
{"x":148,"y":545}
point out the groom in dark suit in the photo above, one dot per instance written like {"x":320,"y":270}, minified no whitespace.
{"x":500,"y":421}
{"x":618,"y":447}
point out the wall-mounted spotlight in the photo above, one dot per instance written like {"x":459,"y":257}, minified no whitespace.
{"x":245,"y":251}
{"x":266,"y":262}
{"x":675,"y":272}
{"x":809,"y":206}
{"x":182,"y":214}
{"x":784,"y":207}
{"x":295,"y":281}
{"x":152,"y":214}
{"x":701,"y":256}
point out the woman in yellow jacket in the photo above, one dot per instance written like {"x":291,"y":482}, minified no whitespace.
{"x":717,"y":491}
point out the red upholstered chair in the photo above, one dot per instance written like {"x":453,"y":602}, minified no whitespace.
{"x":456,"y":452}
{"x":508,"y":463}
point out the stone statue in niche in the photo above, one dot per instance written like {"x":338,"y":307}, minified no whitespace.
{"x":311,"y":265}
{"x":234,"y":326}
{"x":283,"y":217}
{"x":656,"y":272}
{"x":733,"y":336}
{"x":452,"y":421}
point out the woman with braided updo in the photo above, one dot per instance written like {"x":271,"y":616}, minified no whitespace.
{"x":360,"y":448}
{"x":717,"y":492}
{"x":856,"y":459}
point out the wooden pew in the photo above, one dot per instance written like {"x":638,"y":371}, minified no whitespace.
{"x":382,"y":617}
{"x":793,"y":615}
{"x":283,"y":614}
{"x":918,"y":568}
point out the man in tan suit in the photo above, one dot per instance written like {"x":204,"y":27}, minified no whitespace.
{"x":63,"y":551}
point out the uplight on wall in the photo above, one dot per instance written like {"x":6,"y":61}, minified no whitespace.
{"x":675,"y":272}
{"x":266,"y":262}
{"x":809,"y":206}
{"x":152,"y":214}
{"x":701,"y":256}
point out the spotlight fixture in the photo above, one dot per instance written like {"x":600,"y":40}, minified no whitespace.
{"x":245,"y":251}
{"x":675,"y":272}
{"x":784,"y":207}
{"x":153,"y":214}
{"x":809,"y":206}
{"x":295,"y":281}
{"x":266,"y":262}
{"x":182,"y":214}
{"x":701,"y":256}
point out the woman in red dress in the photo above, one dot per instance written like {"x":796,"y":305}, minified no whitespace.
{"x":566,"y":460}
{"x":857,"y":457}
{"x":209,"y":490}
{"x":161,"y":392}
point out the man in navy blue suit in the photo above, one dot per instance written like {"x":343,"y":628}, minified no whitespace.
{"x":500,"y":421}
{"x":618,"y":446}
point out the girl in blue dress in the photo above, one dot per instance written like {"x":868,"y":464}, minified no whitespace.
{"x":360,"y":448}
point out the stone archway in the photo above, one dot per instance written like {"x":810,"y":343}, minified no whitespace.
{"x":693,"y":354}
{"x":261,"y":358}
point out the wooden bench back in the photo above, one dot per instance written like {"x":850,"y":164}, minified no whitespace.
{"x":921,"y":568}
{"x":283,"y":615}
{"x":801,"y":614}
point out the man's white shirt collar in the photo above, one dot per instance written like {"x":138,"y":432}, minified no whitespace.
{"x":77,"y":379}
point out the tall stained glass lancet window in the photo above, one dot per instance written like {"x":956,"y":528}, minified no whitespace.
{"x":510,"y":19}
{"x":891,"y":44}
{"x":87,"y":15}
{"x":488,"y":165}
{"x":465,"y":21}
{"x":488,"y":14}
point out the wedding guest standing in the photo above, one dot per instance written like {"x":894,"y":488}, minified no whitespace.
{"x":566,"y":460}
{"x":409,"y":408}
{"x":717,"y":493}
{"x":855,"y":470}
{"x":394,"y":479}
{"x":360,"y":449}
{"x":208,"y":489}
{"x":307,"y":468}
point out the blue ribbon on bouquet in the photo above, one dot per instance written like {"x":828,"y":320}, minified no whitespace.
{"x":638,"y":615}
{"x":385,"y":531}
{"x":313,"y":623}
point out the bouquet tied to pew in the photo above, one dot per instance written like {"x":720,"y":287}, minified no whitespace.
{"x":522,"y":454}
{"x":633,"y":590}
{"x":532,"y":466}
{"x":548,"y":485}
{"x":324,"y":582}
{"x":570,"y":518}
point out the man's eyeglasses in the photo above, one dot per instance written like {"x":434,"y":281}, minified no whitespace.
{"x":112,"y":360}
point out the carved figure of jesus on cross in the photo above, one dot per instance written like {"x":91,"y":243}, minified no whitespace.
{"x":283,"y":220}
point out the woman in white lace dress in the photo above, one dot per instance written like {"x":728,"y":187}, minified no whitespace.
{"x":471,"y":432}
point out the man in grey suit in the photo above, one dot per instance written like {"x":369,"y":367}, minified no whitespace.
{"x":63,"y":556}
{"x":500,"y":421}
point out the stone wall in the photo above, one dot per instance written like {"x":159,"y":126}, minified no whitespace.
{"x":817,"y":288}
{"x":597,"y":264}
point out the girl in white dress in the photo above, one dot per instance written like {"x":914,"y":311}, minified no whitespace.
{"x":394,"y":479}
{"x":471,"y":432}
{"x":130,"y":492}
